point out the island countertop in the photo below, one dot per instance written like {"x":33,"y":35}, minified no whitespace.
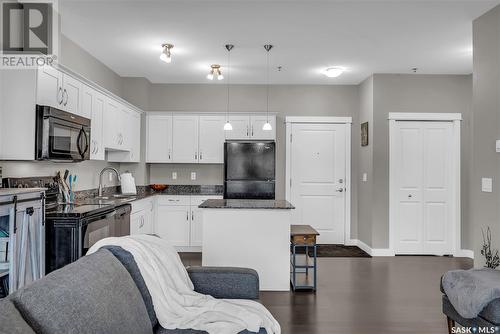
{"x":246,"y":204}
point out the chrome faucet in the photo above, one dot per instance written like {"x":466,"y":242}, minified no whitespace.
{"x":101,"y":174}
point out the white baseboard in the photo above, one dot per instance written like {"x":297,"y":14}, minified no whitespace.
{"x":464,"y":253}
{"x":369,"y":250}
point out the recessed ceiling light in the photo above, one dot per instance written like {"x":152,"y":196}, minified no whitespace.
{"x":333,"y":72}
{"x":166,"y":56}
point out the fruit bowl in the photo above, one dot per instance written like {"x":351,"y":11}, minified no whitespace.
{"x":158,"y":187}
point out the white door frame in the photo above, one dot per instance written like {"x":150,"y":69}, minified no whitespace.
{"x":455,"y":118}
{"x":289,"y":120}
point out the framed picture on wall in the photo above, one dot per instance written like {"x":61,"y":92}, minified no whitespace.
{"x":364,"y":134}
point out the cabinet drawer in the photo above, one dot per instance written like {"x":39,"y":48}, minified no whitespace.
{"x":173,"y":200}
{"x":197,"y":200}
{"x":304,"y":239}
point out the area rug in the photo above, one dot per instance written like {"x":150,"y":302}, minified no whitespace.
{"x":336,"y":251}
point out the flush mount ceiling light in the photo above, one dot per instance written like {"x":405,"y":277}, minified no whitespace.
{"x":333,"y":72}
{"x":267,"y":126}
{"x":215,"y":72}
{"x":229,"y":47}
{"x":166,"y":56}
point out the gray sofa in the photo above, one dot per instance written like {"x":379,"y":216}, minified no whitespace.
{"x":489,"y":317}
{"x":105,"y":293}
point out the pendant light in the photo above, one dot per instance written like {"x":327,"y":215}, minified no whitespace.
{"x":166,"y":55}
{"x":228,"y":126}
{"x":267,"y":126}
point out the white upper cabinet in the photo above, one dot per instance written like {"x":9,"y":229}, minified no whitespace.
{"x":92,"y":106}
{"x":135,"y":137}
{"x":49,"y":87}
{"x":159,"y":138}
{"x":256,"y":124}
{"x":59,"y":90}
{"x":71,"y":92}
{"x":112,"y":125}
{"x":241,"y":127}
{"x":185,"y":138}
{"x":211,"y":141}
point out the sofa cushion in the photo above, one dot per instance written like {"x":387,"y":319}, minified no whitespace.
{"x":11,"y":320}
{"x":129,"y":263}
{"x":161,"y":330}
{"x":95,"y":294}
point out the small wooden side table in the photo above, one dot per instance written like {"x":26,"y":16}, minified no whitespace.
{"x":303,"y":236}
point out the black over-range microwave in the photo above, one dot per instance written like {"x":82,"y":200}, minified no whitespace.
{"x":61,"y":136}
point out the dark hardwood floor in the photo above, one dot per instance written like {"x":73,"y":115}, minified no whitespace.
{"x":390,"y":295}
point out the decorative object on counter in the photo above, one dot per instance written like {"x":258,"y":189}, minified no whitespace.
{"x":364,"y":134}
{"x":128,"y":184}
{"x":158,"y":187}
{"x":491,"y":256}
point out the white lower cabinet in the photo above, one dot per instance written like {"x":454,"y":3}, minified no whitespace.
{"x":179,"y":220}
{"x":142,"y":216}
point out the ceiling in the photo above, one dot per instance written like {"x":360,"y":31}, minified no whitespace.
{"x":365,"y":37}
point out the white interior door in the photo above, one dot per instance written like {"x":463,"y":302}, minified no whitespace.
{"x":423,"y":175}
{"x":318,"y":178}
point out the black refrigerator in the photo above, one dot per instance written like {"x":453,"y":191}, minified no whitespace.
{"x":249,"y":170}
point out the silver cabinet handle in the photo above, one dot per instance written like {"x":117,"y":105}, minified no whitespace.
{"x":252,"y":130}
{"x":142,"y":222}
{"x":187,"y":215}
{"x":195,"y":156}
{"x":60,"y":93}
{"x":247,"y":130}
{"x":201,"y":155}
{"x":168,"y":154}
{"x":340,"y":190}
{"x":65,"y":93}
{"x":192,"y":215}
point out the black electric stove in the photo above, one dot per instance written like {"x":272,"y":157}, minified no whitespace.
{"x":71,"y":229}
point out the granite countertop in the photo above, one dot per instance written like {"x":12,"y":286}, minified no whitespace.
{"x":246,"y":204}
{"x":18,"y":191}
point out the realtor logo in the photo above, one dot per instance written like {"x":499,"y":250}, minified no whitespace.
{"x":27,"y":28}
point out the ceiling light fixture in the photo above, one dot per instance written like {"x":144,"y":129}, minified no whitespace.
{"x":333,"y":72}
{"x":166,"y":56}
{"x":229,"y":47}
{"x":267,"y":126}
{"x":215,"y":72}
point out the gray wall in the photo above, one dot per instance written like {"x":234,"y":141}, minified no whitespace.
{"x":414,"y":93}
{"x":365,"y":155}
{"x":485,"y":207}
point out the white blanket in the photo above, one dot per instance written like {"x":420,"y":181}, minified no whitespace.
{"x":176,"y":303}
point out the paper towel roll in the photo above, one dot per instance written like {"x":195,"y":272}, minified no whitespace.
{"x":128,"y":184}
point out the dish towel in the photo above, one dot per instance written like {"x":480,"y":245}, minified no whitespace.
{"x":176,"y":304}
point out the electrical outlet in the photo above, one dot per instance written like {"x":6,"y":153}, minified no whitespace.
{"x":487,"y":185}
{"x":193,"y":176}
{"x":365,"y":177}
{"x":174,"y":175}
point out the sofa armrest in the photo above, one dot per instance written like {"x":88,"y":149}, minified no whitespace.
{"x":225,"y":282}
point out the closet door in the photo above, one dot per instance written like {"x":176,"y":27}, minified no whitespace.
{"x":423,"y":176}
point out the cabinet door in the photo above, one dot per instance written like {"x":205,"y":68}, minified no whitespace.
{"x":185,"y":139}
{"x":211,"y":141}
{"x":196,"y":228}
{"x":49,"y":87}
{"x":172,"y":224}
{"x":137,"y":223}
{"x":98,"y":105}
{"x":159,"y":138}
{"x":125,"y":128}
{"x":241,"y":127}
{"x":256,"y":123}
{"x":71,"y":95}
{"x":112,"y":124}
{"x":135,"y":137}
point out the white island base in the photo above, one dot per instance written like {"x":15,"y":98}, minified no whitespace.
{"x":250,"y":238}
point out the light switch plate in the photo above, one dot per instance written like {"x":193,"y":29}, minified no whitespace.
{"x":487,"y":185}
{"x":193,"y":176}
{"x":365,"y":177}
{"x":497,"y":145}
{"x":174,"y":175}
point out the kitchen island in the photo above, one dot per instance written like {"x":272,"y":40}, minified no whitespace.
{"x":249,"y":233}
